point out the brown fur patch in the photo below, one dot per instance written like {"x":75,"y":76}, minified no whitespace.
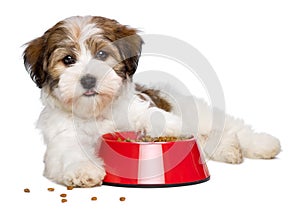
{"x":125,"y":39}
{"x":44,"y":53}
{"x":155,"y":97}
{"x":33,"y":61}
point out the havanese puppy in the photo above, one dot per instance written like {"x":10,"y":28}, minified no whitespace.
{"x":84,"y":68}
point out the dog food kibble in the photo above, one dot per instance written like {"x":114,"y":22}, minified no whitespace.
{"x":155,"y":139}
{"x":70,"y":187}
{"x":64,"y":200}
{"x":26,"y":190}
{"x":122,"y":198}
{"x":94,"y":198}
{"x":63,"y":195}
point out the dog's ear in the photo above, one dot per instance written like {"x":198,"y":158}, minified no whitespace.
{"x":128,"y":42}
{"x":33,"y":60}
{"x":130,"y":46}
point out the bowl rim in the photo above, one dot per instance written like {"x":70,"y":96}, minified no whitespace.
{"x":191,"y":139}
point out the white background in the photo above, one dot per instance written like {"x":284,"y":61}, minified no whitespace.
{"x":254,"y":47}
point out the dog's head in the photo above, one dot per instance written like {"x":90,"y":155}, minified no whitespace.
{"x":82,"y":62}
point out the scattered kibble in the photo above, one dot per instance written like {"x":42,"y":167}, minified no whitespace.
{"x":122,"y":198}
{"x":94,"y":198}
{"x":63,"y":195}
{"x":70,"y":187}
{"x":26,"y":190}
{"x":64,"y":200}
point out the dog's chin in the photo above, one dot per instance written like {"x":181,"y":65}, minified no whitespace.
{"x":90,"y":105}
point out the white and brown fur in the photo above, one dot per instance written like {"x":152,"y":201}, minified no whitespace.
{"x":84,"y":67}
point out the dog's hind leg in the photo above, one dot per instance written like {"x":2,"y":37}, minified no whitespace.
{"x":258,"y":145}
{"x":253,"y":145}
{"x":237,"y":140}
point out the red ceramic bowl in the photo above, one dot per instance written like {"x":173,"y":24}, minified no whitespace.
{"x":151,"y":164}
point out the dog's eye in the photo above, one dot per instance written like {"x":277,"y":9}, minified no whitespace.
{"x":102,"y":55}
{"x":68,"y":60}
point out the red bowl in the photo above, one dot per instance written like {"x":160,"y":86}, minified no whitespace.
{"x":151,"y":164}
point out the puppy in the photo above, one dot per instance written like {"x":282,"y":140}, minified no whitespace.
{"x":84,"y":68}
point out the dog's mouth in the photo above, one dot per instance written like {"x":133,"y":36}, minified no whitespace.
{"x":90,"y":93}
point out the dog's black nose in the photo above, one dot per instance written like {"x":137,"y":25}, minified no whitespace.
{"x":88,"y":81}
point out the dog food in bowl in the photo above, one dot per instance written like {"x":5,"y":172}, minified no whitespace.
{"x":140,"y":161}
{"x":154,"y":139}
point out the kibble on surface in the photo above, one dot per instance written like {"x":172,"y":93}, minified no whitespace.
{"x":94,"y":198}
{"x":63,"y":195}
{"x":26,"y":190}
{"x":70,"y":187}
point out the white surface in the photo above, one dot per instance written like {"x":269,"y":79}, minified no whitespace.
{"x":254,"y":49}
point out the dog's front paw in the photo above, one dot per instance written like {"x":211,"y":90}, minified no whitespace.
{"x":163,"y":124}
{"x":83,"y":174}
